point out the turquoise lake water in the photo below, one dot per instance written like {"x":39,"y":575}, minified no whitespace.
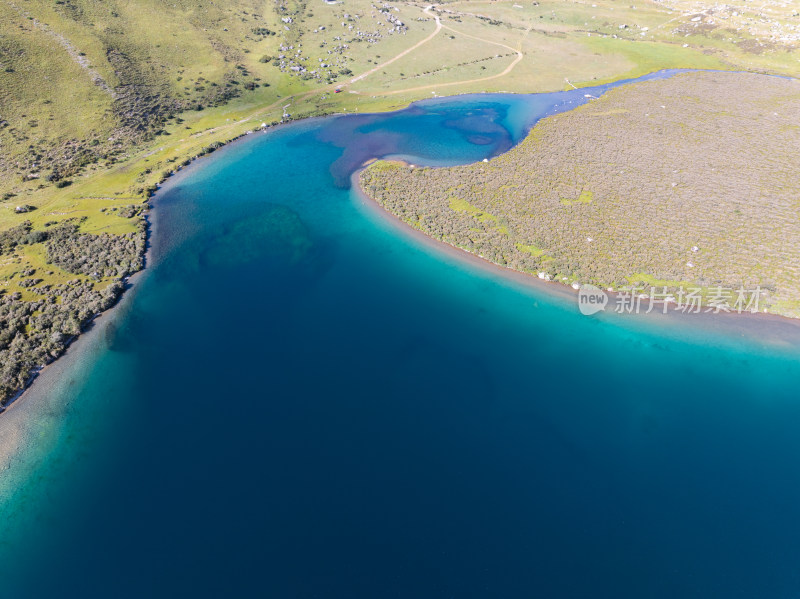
{"x":303,"y":400}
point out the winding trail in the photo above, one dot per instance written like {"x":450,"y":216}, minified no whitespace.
{"x":407,"y":50}
{"x":296,"y":98}
{"x":505,"y":71}
{"x":300,"y":97}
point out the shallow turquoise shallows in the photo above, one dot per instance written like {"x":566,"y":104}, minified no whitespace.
{"x":302,"y":399}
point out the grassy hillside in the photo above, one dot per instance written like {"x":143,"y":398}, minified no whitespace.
{"x":100,"y":101}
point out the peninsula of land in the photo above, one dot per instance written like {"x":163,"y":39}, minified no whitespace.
{"x":689,"y":181}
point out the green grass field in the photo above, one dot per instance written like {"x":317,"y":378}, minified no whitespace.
{"x":104,"y":95}
{"x":159,"y":61}
{"x":100,"y":93}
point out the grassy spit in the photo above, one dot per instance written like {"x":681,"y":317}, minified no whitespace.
{"x":687,"y":182}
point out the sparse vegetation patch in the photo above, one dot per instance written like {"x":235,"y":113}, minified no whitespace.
{"x":691,"y":179}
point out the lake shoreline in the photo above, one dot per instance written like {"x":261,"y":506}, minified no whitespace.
{"x":192,"y":163}
{"x":773,"y":329}
{"x":46,"y":376}
{"x":18,"y":421}
{"x":291,"y":350}
{"x":40,"y":399}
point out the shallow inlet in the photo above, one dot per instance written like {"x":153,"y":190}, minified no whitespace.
{"x":304,"y":400}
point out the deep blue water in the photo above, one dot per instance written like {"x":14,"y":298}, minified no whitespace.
{"x":303,"y":401}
